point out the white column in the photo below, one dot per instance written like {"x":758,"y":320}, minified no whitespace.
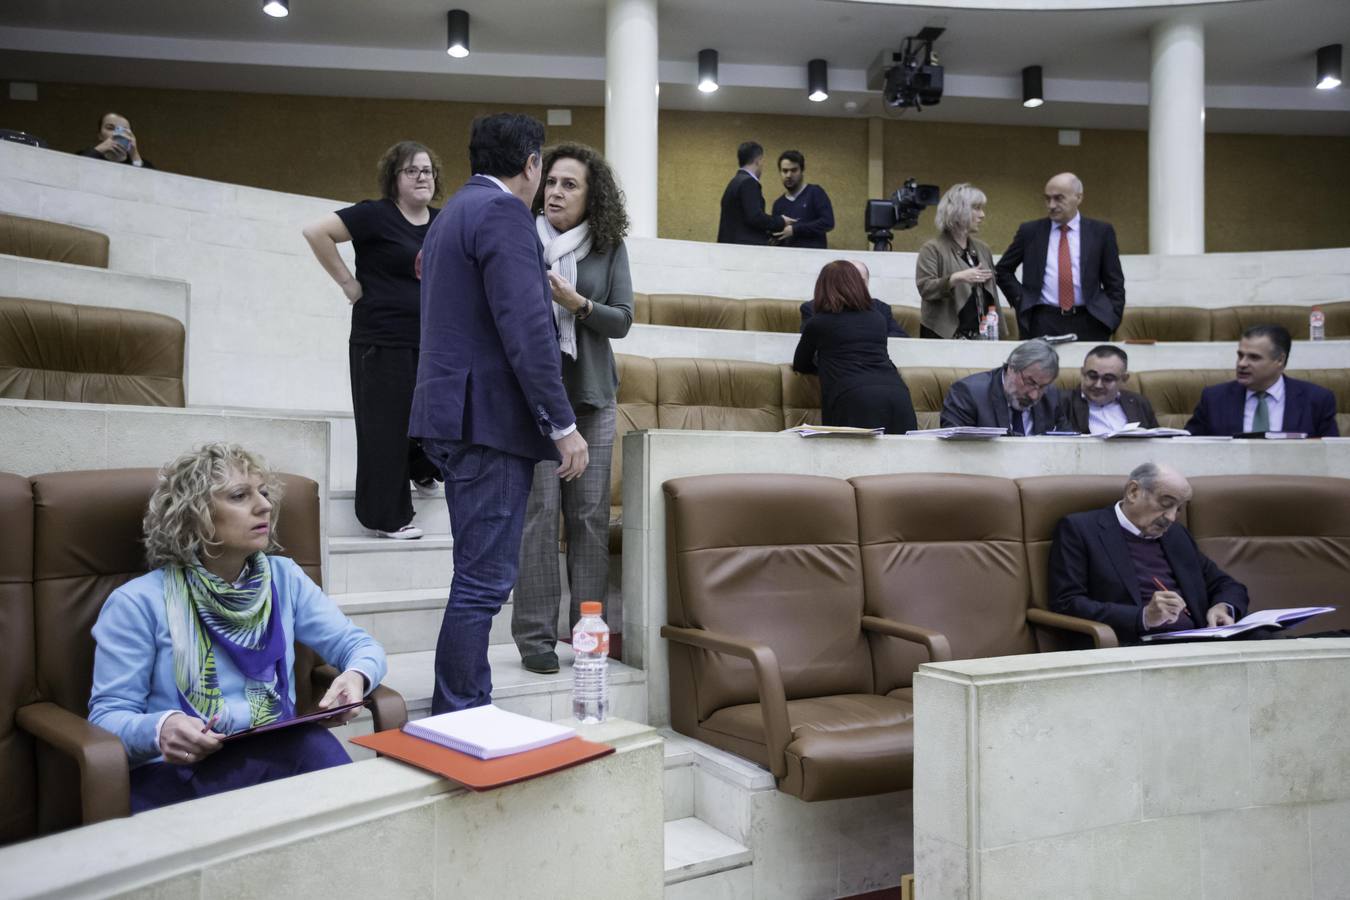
{"x":1176,"y":138}
{"x":631,"y":106}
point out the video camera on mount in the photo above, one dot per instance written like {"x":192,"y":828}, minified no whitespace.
{"x":912,"y":77}
{"x":900,"y":212}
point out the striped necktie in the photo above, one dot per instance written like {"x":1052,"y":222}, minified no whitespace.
{"x":1065,"y":270}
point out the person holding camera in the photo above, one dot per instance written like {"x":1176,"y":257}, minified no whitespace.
{"x":955,"y":270}
{"x":116,"y":142}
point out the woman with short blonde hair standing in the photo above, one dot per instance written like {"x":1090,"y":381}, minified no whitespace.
{"x":955,"y":270}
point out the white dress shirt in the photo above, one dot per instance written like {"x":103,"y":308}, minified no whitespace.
{"x":1050,"y":284}
{"x":1274,"y":405}
{"x":1102,"y":419}
{"x":555,"y":435}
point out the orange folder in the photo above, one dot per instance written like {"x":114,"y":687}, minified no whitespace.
{"x":482,"y":774}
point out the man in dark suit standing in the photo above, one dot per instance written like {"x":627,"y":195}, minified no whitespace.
{"x":1107,"y":564}
{"x":1019,"y":395}
{"x":1263,"y":398}
{"x":893,"y":328}
{"x":744,"y":220}
{"x":489,"y":401}
{"x":1072,"y":282}
{"x":1101,"y":404}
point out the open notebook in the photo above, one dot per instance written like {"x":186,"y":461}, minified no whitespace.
{"x":488,"y":732}
{"x":1266,"y":618}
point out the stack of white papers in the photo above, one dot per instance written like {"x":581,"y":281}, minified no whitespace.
{"x":1132,"y":430}
{"x":808,"y":431}
{"x":964,"y":433}
{"x":488,"y":732}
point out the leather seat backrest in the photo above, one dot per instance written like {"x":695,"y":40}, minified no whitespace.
{"x":39,"y":239}
{"x":18,"y":671}
{"x":1338,"y":319}
{"x":1164,"y":323}
{"x":636,"y":410}
{"x":801,"y":398}
{"x":1229,"y":323}
{"x":772,"y":559}
{"x":642,"y":309}
{"x":928,"y":385}
{"x":942,"y":551}
{"x":1177,"y":391}
{"x":1335,"y":380}
{"x":1047,"y":499}
{"x":718,"y":395}
{"x":696,"y":311}
{"x":89,"y":354}
{"x":782,"y":316}
{"x":908,"y":317}
{"x":1266,"y":529}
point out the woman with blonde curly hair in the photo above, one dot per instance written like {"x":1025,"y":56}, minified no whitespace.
{"x":581,"y":222}
{"x":203,"y":645}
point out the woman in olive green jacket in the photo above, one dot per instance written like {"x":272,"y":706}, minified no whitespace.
{"x":955,"y":271}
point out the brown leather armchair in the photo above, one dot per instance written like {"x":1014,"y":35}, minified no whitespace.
{"x":86,"y":531}
{"x":18,"y":676}
{"x":771,"y":646}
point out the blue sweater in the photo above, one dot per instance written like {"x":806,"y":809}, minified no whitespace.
{"x":133,"y":662}
{"x":814,"y":215}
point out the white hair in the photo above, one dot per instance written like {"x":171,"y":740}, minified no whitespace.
{"x":956,"y":209}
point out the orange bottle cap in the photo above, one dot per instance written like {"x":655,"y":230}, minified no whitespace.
{"x":592,"y":607}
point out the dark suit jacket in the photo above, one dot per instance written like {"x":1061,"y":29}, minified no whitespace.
{"x":893,"y":328}
{"x":1092,"y":575}
{"x":979,"y":400}
{"x":1307,"y":407}
{"x":744,"y":220}
{"x":489,"y":371}
{"x":1073,"y":409}
{"x":1098,"y":265}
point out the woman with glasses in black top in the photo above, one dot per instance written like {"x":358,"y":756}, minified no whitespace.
{"x":385,"y":295}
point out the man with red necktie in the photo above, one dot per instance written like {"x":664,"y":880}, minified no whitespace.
{"x":1071,"y":282}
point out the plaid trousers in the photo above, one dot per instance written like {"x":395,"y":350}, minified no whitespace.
{"x":584,"y":503}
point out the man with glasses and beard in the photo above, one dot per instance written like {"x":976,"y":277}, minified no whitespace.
{"x":1019,"y":395}
{"x":1101,"y":404}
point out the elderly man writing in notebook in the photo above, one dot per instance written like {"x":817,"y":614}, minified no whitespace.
{"x":1134,"y":567}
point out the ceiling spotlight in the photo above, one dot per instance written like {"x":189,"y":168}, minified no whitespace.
{"x":817,"y":81}
{"x":707,"y":71}
{"x":457,"y":33}
{"x":1033,"y":93}
{"x":1328,"y":67}
{"x":277,"y":9}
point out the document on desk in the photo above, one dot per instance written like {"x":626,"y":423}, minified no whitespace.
{"x":963,"y":433}
{"x":1266,"y":618}
{"x":1133,"y":430}
{"x":488,"y":732}
{"x":810,"y":431}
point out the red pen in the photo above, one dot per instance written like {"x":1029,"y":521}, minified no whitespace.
{"x":1158,"y":582}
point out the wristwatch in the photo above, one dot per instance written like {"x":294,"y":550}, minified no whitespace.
{"x":585,"y":310}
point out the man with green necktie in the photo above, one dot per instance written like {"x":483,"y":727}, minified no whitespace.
{"x":1262,"y":398}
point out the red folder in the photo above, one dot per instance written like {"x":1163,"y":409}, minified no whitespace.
{"x":482,"y":774}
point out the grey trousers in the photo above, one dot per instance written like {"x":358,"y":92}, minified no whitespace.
{"x":584,"y":503}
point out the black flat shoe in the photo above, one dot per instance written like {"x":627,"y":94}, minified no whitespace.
{"x":545,"y":663}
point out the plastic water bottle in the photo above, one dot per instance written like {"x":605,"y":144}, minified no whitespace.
{"x":590,"y":670}
{"x":1317,"y":324}
{"x":991,"y":324}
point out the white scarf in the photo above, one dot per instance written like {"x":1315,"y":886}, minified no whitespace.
{"x":562,"y":251}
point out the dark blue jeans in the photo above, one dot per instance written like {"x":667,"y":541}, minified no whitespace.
{"x":486,"y":491}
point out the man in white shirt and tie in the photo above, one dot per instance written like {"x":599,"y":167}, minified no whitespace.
{"x":1072,"y":282}
{"x":1101,"y":404}
{"x":1262,"y":398}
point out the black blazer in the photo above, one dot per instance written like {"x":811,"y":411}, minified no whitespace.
{"x":1073,"y":410}
{"x":1308,"y":407}
{"x":1093,"y":577}
{"x":893,"y":328}
{"x":744,"y":220}
{"x":1099,"y":267}
{"x":979,"y":400}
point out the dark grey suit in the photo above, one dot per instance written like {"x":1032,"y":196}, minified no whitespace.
{"x":1073,"y":409}
{"x":979,"y":400}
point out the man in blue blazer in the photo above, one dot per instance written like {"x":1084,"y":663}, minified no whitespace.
{"x":1072,"y":282}
{"x":489,"y":401}
{"x":1263,"y":398}
{"x":1135,"y":568}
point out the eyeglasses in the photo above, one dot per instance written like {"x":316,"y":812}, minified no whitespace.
{"x":1107,"y":380}
{"x":1029,"y":384}
{"x":414,"y":172}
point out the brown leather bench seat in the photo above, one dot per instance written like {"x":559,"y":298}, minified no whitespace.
{"x":40,"y":239}
{"x":799,"y":606}
{"x":89,"y":354}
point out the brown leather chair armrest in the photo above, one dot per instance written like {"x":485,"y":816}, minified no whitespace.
{"x":1102,"y":635}
{"x":105,"y":779}
{"x":939,"y":650}
{"x":387,"y":708}
{"x":768,"y":678}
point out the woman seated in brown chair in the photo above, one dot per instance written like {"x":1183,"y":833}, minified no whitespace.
{"x":203,"y":645}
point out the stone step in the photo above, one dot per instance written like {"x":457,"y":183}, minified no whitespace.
{"x":514,"y":689}
{"x":410,"y":620}
{"x":431,"y":514}
{"x":678,"y":783}
{"x":359,"y":565}
{"x":696,"y":851}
